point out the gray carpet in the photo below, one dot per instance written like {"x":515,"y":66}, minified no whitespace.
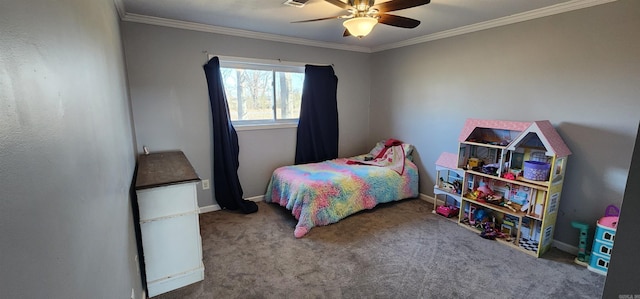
{"x":397,"y":250}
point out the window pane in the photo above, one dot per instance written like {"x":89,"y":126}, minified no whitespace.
{"x":288,"y":94}
{"x":261,"y":93}
{"x":249,"y":93}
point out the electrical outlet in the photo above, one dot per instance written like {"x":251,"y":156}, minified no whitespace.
{"x":205,"y":185}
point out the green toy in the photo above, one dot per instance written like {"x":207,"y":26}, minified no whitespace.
{"x":583,"y":256}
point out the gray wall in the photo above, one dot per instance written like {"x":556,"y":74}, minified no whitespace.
{"x":623,"y":273}
{"x":577,"y":69}
{"x":171,"y":105}
{"x":66,"y":153}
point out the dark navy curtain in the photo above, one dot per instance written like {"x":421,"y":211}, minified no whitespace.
{"x":317,"y":138}
{"x":228,"y":191}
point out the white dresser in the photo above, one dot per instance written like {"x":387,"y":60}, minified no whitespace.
{"x":168,"y":209}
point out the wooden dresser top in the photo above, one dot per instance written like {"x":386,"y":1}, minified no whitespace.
{"x":164,"y":168}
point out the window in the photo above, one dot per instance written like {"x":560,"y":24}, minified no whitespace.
{"x":261,"y":92}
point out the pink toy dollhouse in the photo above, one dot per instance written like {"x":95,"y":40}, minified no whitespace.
{"x":522,"y":165}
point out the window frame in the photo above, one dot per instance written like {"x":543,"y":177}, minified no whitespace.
{"x":269,"y":65}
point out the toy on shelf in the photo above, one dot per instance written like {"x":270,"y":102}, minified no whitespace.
{"x":447,"y":211}
{"x":452,"y":187}
{"x":490,"y":232}
{"x":509,"y":225}
{"x":486,"y":223}
{"x":509,"y":176}
{"x":536,"y":171}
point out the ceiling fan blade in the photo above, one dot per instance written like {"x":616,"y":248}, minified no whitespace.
{"x":398,"y":21}
{"x":346,"y":33}
{"x":399,"y":4}
{"x":320,"y":19}
{"x":339,"y":3}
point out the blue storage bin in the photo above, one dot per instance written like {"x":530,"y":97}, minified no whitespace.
{"x":602,"y":248}
{"x":599,"y":263}
{"x":603,"y":244}
{"x":604,"y":233}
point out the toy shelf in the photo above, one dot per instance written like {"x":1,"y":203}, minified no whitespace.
{"x":496,"y":208}
{"x":543,"y":184}
{"x":520,"y":180}
{"x":449,"y":182}
{"x":513,"y":239}
{"x":518,"y":169}
{"x":516,"y":237}
{"x":439,"y":191}
{"x":513,"y":242}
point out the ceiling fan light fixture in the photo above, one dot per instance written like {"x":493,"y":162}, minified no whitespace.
{"x":295,"y":3}
{"x":360,"y":26}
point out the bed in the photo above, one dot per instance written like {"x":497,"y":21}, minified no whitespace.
{"x":326,"y":192}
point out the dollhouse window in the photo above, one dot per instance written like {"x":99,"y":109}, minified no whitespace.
{"x":538,"y":156}
{"x":607,"y":236}
{"x":603,"y":263}
{"x":605,"y":250}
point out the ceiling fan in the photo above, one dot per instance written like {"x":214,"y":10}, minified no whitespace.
{"x":363,"y":15}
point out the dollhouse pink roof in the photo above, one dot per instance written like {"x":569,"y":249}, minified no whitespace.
{"x":470,"y":124}
{"x":549,"y":137}
{"x":543,"y":128}
{"x":448,"y":160}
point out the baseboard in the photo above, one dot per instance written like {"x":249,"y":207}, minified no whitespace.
{"x":568,"y":248}
{"x":256,"y":198}
{"x":212,"y":208}
{"x":207,"y":209}
{"x":430,"y":199}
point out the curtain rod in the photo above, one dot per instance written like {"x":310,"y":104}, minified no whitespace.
{"x":260,"y":60}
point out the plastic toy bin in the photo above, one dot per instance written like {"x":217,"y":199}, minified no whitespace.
{"x":603,"y":244}
{"x":604,"y":234}
{"x":599,"y":263}
{"x":602,"y":248}
{"x":537,"y":171}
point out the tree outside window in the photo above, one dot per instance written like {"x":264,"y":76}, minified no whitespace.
{"x":260,"y":93}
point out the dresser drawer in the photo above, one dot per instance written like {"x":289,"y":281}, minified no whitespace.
{"x":166,"y":201}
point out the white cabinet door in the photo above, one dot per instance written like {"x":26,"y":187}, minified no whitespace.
{"x":171,"y":246}
{"x":171,"y":241}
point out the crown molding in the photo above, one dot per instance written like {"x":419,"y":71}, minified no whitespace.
{"x":136,"y":18}
{"x":521,"y":17}
{"x":120,"y":8}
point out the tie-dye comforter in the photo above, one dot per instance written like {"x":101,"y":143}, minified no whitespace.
{"x":326,"y":192}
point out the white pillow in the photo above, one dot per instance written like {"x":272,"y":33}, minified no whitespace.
{"x":408,"y":148}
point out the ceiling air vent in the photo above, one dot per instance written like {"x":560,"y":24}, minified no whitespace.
{"x":295,"y":3}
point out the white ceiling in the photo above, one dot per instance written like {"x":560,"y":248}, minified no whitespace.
{"x":271,"y":19}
